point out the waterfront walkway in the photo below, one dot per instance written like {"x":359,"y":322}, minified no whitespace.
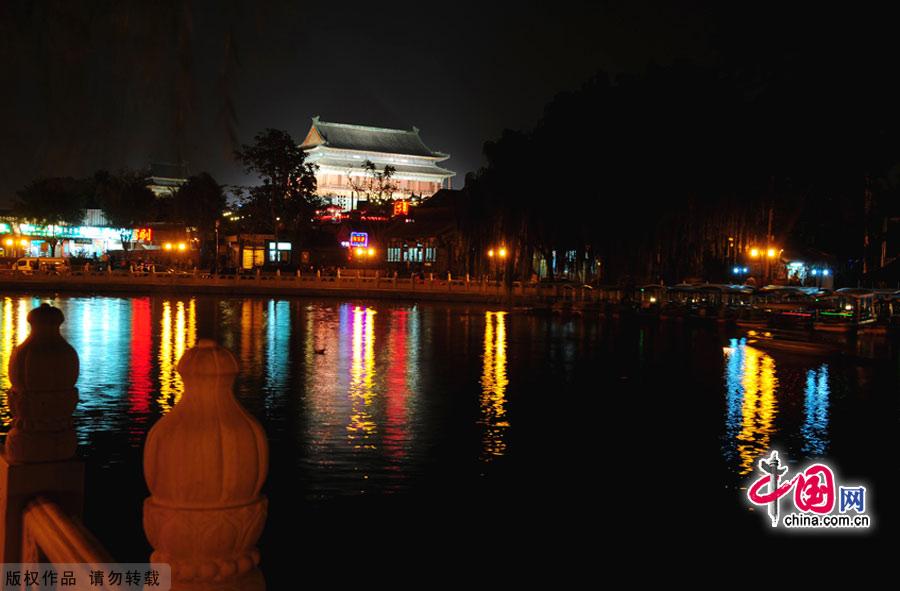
{"x":349,"y":285}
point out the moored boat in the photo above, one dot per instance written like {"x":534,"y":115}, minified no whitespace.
{"x":847,"y":310}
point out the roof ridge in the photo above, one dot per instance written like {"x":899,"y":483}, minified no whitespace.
{"x":414,"y":130}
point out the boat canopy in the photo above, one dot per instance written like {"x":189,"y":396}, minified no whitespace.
{"x":855,"y":292}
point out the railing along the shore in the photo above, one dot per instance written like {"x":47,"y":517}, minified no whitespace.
{"x":437,"y":286}
{"x":204,"y":462}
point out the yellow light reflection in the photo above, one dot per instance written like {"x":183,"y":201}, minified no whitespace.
{"x":493,"y":386}
{"x":759,"y":407}
{"x":22,"y":329}
{"x":176,"y":335}
{"x":362,"y":427}
{"x":253,"y":321}
{"x":6,"y":347}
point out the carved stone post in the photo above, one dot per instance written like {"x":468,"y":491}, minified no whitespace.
{"x":38,"y":457}
{"x":205,"y":463}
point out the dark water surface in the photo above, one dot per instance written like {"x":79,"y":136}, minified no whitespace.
{"x":464,"y":431}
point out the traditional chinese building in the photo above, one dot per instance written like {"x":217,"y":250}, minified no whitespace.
{"x":165,"y":179}
{"x":340,"y":150}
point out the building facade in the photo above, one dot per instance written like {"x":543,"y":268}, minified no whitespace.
{"x":165,"y":179}
{"x":341,"y":150}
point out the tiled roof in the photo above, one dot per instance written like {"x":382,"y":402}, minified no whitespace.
{"x":370,"y":139}
{"x":399,"y":168}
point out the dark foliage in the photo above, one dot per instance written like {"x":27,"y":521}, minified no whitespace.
{"x":53,"y":201}
{"x":286,"y":197}
{"x":653,"y":175}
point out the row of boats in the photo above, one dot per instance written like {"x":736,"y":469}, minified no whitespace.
{"x":848,"y":309}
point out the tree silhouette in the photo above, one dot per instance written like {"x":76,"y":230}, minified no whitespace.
{"x":377,"y":186}
{"x":199,"y":202}
{"x":287,"y":194}
{"x":51,"y":201}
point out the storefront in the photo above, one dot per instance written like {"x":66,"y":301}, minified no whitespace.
{"x":252,"y":251}
{"x":30,"y":240}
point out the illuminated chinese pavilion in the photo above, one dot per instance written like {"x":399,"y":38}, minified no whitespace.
{"x":340,"y":150}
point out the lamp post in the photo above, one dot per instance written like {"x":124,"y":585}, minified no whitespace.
{"x":499,"y":254}
{"x":216,"y":253}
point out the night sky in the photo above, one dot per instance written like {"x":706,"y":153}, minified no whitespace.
{"x":106,"y":84}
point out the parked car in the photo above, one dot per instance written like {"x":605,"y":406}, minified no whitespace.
{"x":29,"y":265}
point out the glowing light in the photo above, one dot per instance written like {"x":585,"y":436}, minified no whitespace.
{"x":7,"y":344}
{"x":140,"y":361}
{"x":9,"y":242}
{"x":736,"y":270}
{"x":371,"y":252}
{"x":92,"y":232}
{"x":502,"y":253}
{"x":771,"y":253}
{"x":176,"y":335}
{"x":167,"y":246}
{"x":652,"y":299}
{"x":362,"y":427}
{"x":359,"y":239}
{"x":848,"y":307}
{"x":493,"y":386}
{"x":360,"y":251}
{"x":491,"y":252}
{"x":815,"y":424}
{"x":814,"y":272}
{"x":751,"y":406}
{"x":401,"y":207}
{"x":278,"y":336}
{"x":22,"y":328}
{"x":754,"y":253}
{"x":826,"y":272}
{"x":182,"y":246}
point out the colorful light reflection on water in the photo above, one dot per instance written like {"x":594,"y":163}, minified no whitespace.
{"x":754,"y":397}
{"x":351,"y":381}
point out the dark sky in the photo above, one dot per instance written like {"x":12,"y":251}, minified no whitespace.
{"x":113,"y":83}
{"x":105,"y":84}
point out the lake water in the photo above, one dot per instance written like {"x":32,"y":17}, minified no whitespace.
{"x":431,"y":429}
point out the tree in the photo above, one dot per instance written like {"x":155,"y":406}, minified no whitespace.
{"x":125,"y":199}
{"x":377,"y":187}
{"x":52,"y":201}
{"x":287,"y":194}
{"x":199,"y":203}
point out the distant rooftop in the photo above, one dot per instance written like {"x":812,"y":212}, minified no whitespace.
{"x":165,"y":170}
{"x":367,"y":139}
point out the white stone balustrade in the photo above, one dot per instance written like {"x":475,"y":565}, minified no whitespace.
{"x":38,"y":456}
{"x":205,"y":463}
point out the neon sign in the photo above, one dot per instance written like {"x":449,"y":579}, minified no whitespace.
{"x":401,"y":207}
{"x":90,"y":232}
{"x":143,"y":234}
{"x":359,"y":239}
